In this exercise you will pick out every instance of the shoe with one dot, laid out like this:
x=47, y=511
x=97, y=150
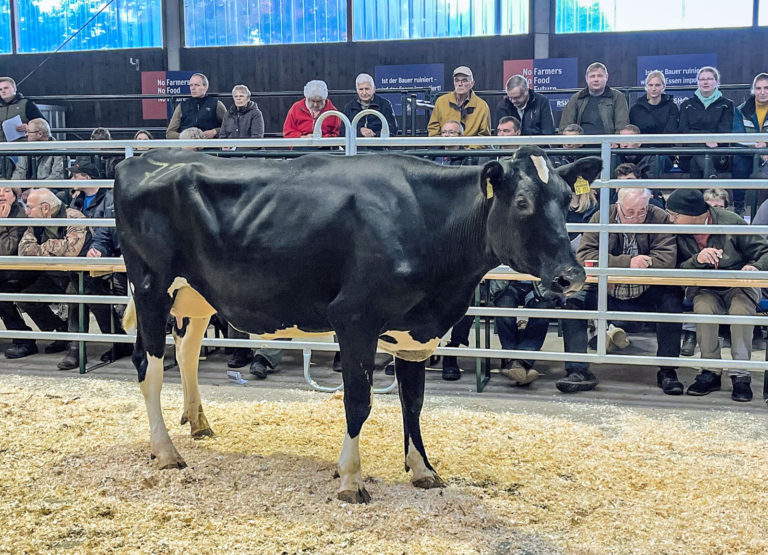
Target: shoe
x=240, y=357
x=668, y=382
x=121, y=350
x=705, y=383
x=259, y=367
x=72, y=359
x=21, y=350
x=451, y=370
x=578, y=380
x=742, y=391
x=617, y=337
x=337, y=362
x=689, y=344
x=518, y=374
x=58, y=346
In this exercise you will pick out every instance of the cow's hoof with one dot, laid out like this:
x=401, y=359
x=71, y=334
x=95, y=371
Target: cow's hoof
x=358, y=496
x=429, y=482
x=204, y=432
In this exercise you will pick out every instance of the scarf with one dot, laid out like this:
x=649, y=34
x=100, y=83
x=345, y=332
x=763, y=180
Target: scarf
x=708, y=100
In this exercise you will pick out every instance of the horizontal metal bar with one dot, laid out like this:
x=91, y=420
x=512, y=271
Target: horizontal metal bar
x=43, y=222
x=567, y=314
x=676, y=229
x=680, y=183
x=74, y=299
x=58, y=183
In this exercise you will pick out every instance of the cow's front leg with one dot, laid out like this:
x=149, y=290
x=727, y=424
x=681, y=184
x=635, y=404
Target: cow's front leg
x=410, y=380
x=188, y=339
x=357, y=359
x=161, y=446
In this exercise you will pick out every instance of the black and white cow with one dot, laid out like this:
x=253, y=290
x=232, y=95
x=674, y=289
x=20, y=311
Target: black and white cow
x=384, y=250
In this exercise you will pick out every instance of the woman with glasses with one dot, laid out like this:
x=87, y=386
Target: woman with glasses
x=706, y=112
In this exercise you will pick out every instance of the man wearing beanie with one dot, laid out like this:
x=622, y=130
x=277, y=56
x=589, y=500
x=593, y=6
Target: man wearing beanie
x=627, y=250
x=718, y=252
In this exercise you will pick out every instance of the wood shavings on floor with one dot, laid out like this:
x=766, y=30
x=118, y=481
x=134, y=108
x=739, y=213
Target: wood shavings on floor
x=75, y=475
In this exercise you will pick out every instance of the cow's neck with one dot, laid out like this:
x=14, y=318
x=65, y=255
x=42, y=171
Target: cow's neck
x=468, y=244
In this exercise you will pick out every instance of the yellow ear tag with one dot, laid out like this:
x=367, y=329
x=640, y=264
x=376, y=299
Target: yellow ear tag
x=581, y=186
x=488, y=188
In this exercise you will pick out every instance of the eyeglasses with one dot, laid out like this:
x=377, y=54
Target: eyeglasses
x=632, y=215
x=707, y=79
x=34, y=132
x=461, y=80
x=450, y=132
x=673, y=216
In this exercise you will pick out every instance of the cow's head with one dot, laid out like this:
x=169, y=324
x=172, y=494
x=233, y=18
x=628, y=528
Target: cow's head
x=526, y=220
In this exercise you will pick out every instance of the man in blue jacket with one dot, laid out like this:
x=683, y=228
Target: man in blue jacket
x=367, y=99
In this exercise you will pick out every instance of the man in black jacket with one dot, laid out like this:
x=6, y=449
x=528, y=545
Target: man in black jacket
x=94, y=202
x=367, y=99
x=201, y=111
x=530, y=108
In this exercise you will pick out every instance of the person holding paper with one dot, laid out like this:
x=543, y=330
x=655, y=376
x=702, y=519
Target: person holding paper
x=13, y=106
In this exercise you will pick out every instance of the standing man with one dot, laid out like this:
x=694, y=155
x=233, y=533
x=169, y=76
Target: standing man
x=463, y=106
x=598, y=109
x=201, y=111
x=367, y=99
x=531, y=109
x=13, y=103
x=718, y=252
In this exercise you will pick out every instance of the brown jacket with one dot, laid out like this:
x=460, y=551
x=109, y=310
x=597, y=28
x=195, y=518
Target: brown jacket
x=56, y=240
x=661, y=247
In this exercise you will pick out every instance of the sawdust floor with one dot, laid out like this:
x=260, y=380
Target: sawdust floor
x=75, y=475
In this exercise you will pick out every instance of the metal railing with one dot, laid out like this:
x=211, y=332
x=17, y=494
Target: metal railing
x=351, y=144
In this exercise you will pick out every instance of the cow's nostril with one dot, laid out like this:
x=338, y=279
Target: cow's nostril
x=562, y=283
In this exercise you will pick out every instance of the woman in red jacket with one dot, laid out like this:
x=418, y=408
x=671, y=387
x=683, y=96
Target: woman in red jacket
x=301, y=118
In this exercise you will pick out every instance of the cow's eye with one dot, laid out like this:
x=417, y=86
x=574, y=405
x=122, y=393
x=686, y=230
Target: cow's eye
x=522, y=204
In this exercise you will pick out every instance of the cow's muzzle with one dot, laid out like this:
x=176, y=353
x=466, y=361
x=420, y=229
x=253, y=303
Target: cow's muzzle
x=568, y=280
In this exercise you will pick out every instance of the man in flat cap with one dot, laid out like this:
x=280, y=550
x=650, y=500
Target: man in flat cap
x=718, y=252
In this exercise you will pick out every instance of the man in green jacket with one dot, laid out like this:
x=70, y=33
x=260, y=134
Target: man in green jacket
x=598, y=109
x=718, y=252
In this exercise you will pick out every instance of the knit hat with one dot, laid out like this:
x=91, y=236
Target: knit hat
x=689, y=202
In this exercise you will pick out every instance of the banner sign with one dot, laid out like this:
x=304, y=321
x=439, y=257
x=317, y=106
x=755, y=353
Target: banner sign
x=163, y=82
x=546, y=74
x=407, y=76
x=678, y=69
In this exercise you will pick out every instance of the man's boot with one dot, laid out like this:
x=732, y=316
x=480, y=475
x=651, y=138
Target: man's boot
x=577, y=380
x=72, y=359
x=689, y=344
x=706, y=382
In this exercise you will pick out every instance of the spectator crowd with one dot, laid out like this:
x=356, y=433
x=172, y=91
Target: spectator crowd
x=597, y=109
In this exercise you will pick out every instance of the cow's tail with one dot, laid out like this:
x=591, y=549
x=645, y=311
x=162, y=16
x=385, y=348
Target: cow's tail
x=129, y=317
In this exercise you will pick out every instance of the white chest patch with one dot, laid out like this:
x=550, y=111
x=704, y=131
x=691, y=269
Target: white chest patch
x=541, y=168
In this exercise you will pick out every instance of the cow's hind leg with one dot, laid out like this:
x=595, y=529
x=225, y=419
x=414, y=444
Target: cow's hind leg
x=410, y=379
x=188, y=339
x=357, y=359
x=151, y=313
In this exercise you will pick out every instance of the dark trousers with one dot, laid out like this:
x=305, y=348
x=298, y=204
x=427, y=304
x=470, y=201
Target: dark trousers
x=105, y=314
x=657, y=298
x=510, y=337
x=40, y=313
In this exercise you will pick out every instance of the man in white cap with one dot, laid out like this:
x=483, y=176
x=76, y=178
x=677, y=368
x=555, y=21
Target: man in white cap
x=463, y=106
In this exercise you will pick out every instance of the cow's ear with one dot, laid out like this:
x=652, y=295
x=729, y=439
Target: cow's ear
x=491, y=178
x=586, y=169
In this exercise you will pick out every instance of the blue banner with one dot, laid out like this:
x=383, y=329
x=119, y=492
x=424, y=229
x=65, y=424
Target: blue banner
x=408, y=76
x=678, y=69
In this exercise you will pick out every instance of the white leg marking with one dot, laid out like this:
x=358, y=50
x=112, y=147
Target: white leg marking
x=160, y=441
x=349, y=465
x=541, y=168
x=188, y=354
x=415, y=462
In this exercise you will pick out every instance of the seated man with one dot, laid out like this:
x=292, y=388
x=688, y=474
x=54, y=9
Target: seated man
x=93, y=202
x=723, y=252
x=647, y=164
x=637, y=250
x=39, y=166
x=45, y=241
x=367, y=99
x=563, y=159
x=11, y=280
